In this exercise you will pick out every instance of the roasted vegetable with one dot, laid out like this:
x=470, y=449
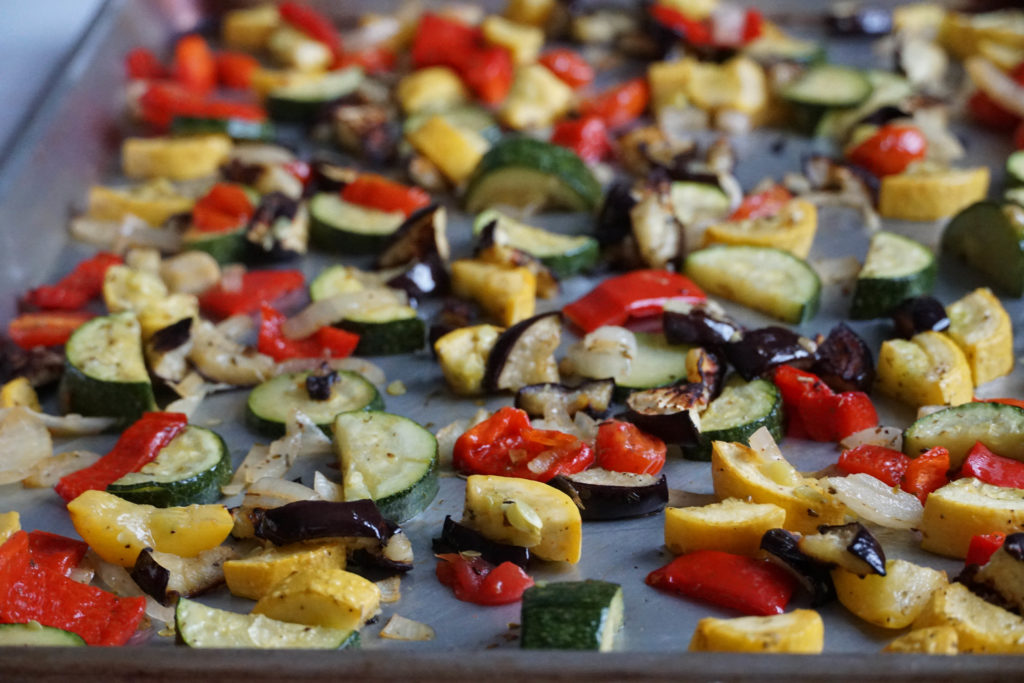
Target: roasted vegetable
x=670, y=413
x=850, y=546
x=602, y=494
x=783, y=548
x=732, y=526
x=592, y=397
x=892, y=600
x=919, y=314
x=167, y=577
x=760, y=350
x=801, y=631
x=929, y=369
x=703, y=323
x=458, y=538
x=843, y=361
x=524, y=354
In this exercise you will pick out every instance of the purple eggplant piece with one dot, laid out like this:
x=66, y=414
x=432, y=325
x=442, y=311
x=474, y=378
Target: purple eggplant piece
x=422, y=279
x=850, y=546
x=40, y=366
x=172, y=336
x=919, y=314
x=152, y=577
x=619, y=496
x=326, y=176
x=854, y=19
x=665, y=411
x=318, y=385
x=515, y=352
x=701, y=325
x=763, y=349
x=421, y=237
x=844, y=361
x=782, y=547
x=306, y=520
x=592, y=397
x=613, y=221
x=457, y=538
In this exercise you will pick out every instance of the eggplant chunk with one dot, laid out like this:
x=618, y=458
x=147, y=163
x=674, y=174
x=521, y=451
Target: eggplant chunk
x=279, y=229
x=855, y=19
x=306, y=520
x=919, y=314
x=422, y=236
x=457, y=538
x=765, y=348
x=613, y=223
x=422, y=278
x=783, y=548
x=592, y=397
x=670, y=413
x=166, y=577
x=850, y=546
x=703, y=323
x=844, y=361
x=524, y=354
x=601, y=494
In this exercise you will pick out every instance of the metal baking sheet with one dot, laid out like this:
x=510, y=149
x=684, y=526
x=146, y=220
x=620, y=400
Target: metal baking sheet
x=72, y=142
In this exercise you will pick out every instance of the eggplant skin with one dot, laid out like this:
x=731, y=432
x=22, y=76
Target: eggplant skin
x=152, y=577
x=592, y=397
x=699, y=326
x=457, y=538
x=782, y=547
x=172, y=336
x=844, y=361
x=665, y=411
x=763, y=349
x=613, y=221
x=496, y=373
x=310, y=519
x=602, y=502
x=919, y=314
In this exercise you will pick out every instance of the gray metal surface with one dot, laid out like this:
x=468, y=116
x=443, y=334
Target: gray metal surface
x=73, y=143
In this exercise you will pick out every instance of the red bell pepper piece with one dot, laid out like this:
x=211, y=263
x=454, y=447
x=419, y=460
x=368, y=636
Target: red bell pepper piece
x=59, y=554
x=488, y=71
x=983, y=546
x=235, y=69
x=762, y=204
x=475, y=580
x=505, y=444
x=885, y=464
x=890, y=150
x=990, y=113
x=372, y=60
x=619, y=105
x=818, y=412
x=587, y=137
x=163, y=101
x=300, y=169
x=638, y=294
x=745, y=584
x=701, y=32
x=194, y=66
x=138, y=445
x=14, y=560
x=313, y=24
x=569, y=66
x=141, y=63
x=45, y=328
x=327, y=341
x=440, y=41
x=622, y=447
x=983, y=464
x=225, y=207
x=927, y=472
x=258, y=287
x=77, y=288
x=377, y=192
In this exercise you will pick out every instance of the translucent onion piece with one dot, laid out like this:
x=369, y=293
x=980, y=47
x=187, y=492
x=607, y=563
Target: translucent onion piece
x=399, y=549
x=304, y=436
x=400, y=628
x=232, y=278
x=48, y=471
x=390, y=589
x=118, y=236
x=119, y=581
x=888, y=437
x=282, y=489
x=236, y=327
x=24, y=442
x=327, y=489
x=223, y=360
x=763, y=442
x=876, y=501
x=257, y=153
x=257, y=463
x=996, y=84
x=834, y=271
x=606, y=352
x=336, y=308
x=371, y=372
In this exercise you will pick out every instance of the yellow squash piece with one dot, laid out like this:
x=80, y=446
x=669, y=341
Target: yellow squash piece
x=928, y=195
x=525, y=513
x=931, y=640
x=521, y=40
x=333, y=598
x=10, y=524
x=667, y=81
x=738, y=84
x=891, y=601
x=435, y=88
x=732, y=526
x=537, y=99
x=530, y=12
x=507, y=294
x=19, y=392
x=929, y=369
x=182, y=158
x=154, y=202
x=253, y=576
x=462, y=354
x=981, y=327
x=455, y=151
x=127, y=289
x=293, y=49
x=798, y=632
x=118, y=530
x=981, y=627
x=249, y=29
x=738, y=471
x=965, y=508
x=167, y=311
x=792, y=230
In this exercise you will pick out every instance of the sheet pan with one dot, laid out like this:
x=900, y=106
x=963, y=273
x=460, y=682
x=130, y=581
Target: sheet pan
x=71, y=142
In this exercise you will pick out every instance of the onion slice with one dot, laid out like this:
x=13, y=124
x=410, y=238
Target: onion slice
x=400, y=628
x=876, y=501
x=119, y=236
x=993, y=82
x=24, y=443
x=888, y=437
x=48, y=471
x=390, y=589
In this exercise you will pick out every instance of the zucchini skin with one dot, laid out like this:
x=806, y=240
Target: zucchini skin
x=404, y=505
x=773, y=420
x=983, y=236
x=88, y=396
x=341, y=238
x=385, y=338
x=273, y=427
x=567, y=615
x=229, y=247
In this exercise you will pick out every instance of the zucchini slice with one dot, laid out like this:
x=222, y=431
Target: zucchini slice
x=1015, y=169
x=226, y=247
x=389, y=459
x=692, y=200
x=234, y=128
x=571, y=615
x=896, y=268
x=564, y=255
x=271, y=404
x=476, y=119
x=35, y=634
x=531, y=173
x=657, y=364
x=829, y=86
x=342, y=226
x=769, y=280
x=740, y=410
x=888, y=89
x=189, y=470
x=105, y=371
x=990, y=237
x=303, y=99
x=999, y=426
x=201, y=626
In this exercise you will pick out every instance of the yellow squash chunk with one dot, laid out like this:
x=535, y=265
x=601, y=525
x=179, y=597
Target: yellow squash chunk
x=738, y=471
x=693, y=9
x=435, y=88
x=981, y=627
x=118, y=530
x=183, y=158
x=154, y=202
x=530, y=12
x=792, y=230
x=507, y=294
x=167, y=311
x=798, y=632
x=980, y=326
x=333, y=598
x=462, y=354
x=890, y=601
x=965, y=508
x=732, y=526
x=522, y=41
x=738, y=84
x=537, y=98
x=456, y=151
x=525, y=513
x=10, y=524
x=667, y=81
x=295, y=50
x=931, y=195
x=19, y=392
x=249, y=29
x=929, y=369
x=253, y=576
x=931, y=640
x=127, y=289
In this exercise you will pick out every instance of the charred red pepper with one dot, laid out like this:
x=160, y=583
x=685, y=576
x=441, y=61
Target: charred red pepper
x=885, y=464
x=983, y=546
x=327, y=341
x=890, y=150
x=762, y=204
x=138, y=445
x=225, y=207
x=258, y=287
x=927, y=472
x=46, y=328
x=77, y=288
x=56, y=553
x=745, y=584
x=313, y=24
x=702, y=32
x=163, y=101
x=475, y=580
x=637, y=294
x=623, y=447
x=31, y=591
x=194, y=66
x=587, y=137
x=235, y=69
x=569, y=66
x=506, y=445
x=983, y=464
x=620, y=104
x=377, y=192
x=816, y=411
x=141, y=63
